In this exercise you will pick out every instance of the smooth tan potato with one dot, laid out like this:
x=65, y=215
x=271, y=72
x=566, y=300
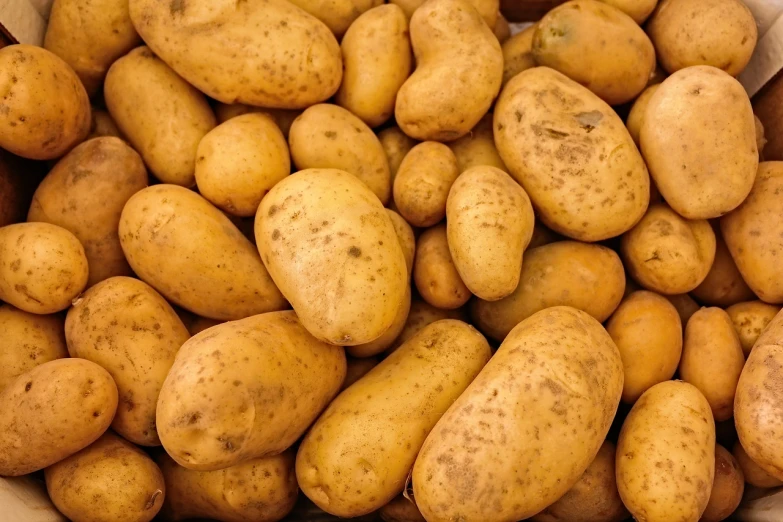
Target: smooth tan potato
x=434, y=273
x=357, y=368
x=684, y=304
x=383, y=342
x=284, y=118
x=501, y=29
x=666, y=454
x=586, y=277
x=102, y=124
x=338, y=15
x=723, y=285
x=46, y=111
x=750, y=319
x=401, y=509
x=42, y=267
x=518, y=53
x=713, y=172
x=639, y=10
x=478, y=147
x=405, y=236
x=572, y=154
x=424, y=178
x=753, y=474
x=488, y=9
x=110, y=480
x=163, y=116
x=51, y=412
x=489, y=224
x=636, y=116
x=396, y=144
x=556, y=370
x=727, y=488
x=422, y=314
x=459, y=69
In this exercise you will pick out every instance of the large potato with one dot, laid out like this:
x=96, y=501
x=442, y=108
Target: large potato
x=698, y=138
x=750, y=319
x=753, y=474
x=638, y=110
x=554, y=383
x=477, y=147
x=422, y=184
x=358, y=454
x=488, y=9
x=639, y=10
x=396, y=144
x=459, y=69
x=572, y=154
x=518, y=53
x=42, y=267
x=434, y=273
x=338, y=15
x=53, y=411
x=727, y=488
x=420, y=315
x=587, y=277
x=332, y=250
x=235, y=391
x=666, y=454
x=191, y=253
x=723, y=285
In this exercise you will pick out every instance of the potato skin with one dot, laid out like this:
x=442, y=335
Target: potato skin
x=102, y=124
x=478, y=147
x=753, y=474
x=528, y=398
x=420, y=315
x=434, y=273
x=110, y=480
x=750, y=319
x=727, y=489
x=396, y=144
x=405, y=236
x=639, y=10
x=639, y=108
x=46, y=109
x=572, y=154
x=53, y=411
x=338, y=15
x=357, y=368
x=488, y=9
x=518, y=53
x=387, y=338
x=684, y=304
x=723, y=285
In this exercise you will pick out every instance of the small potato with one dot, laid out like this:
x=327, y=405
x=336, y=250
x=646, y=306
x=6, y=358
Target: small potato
x=666, y=454
x=753, y=474
x=401, y=509
x=489, y=224
x=46, y=111
x=283, y=118
x=639, y=10
x=110, y=480
x=338, y=15
x=518, y=53
x=501, y=29
x=396, y=144
x=42, y=267
x=667, y=253
x=357, y=368
x=420, y=315
x=383, y=342
x=478, y=147
x=750, y=319
x=423, y=181
x=583, y=276
x=330, y=137
x=377, y=59
x=239, y=161
x=636, y=116
x=727, y=489
x=684, y=304
x=53, y=411
x=102, y=124
x=723, y=285
x=405, y=236
x=434, y=273
x=648, y=332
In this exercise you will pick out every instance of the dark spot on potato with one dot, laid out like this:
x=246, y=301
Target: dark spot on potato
x=177, y=7
x=273, y=210
x=354, y=251
x=96, y=414
x=28, y=386
x=275, y=234
x=331, y=135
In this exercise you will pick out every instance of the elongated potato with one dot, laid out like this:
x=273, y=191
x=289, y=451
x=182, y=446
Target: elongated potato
x=396, y=144
x=478, y=147
x=387, y=338
x=422, y=314
x=638, y=110
x=518, y=53
x=754, y=475
x=405, y=236
x=750, y=319
x=727, y=488
x=723, y=285
x=422, y=184
x=434, y=273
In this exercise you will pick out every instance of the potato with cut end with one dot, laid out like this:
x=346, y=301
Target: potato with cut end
x=396, y=144
x=753, y=474
x=638, y=109
x=434, y=273
x=723, y=285
x=750, y=319
x=406, y=237
x=518, y=53
x=727, y=488
x=478, y=147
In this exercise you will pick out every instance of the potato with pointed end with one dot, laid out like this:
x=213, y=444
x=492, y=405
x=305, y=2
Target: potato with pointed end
x=750, y=319
x=434, y=273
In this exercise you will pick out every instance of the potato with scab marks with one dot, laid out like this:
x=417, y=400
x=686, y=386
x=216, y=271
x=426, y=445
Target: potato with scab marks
x=401, y=509
x=750, y=319
x=434, y=273
x=422, y=314
x=405, y=236
x=754, y=475
x=518, y=53
x=727, y=488
x=638, y=109
x=383, y=342
x=478, y=147
x=639, y=10
x=723, y=285
x=396, y=144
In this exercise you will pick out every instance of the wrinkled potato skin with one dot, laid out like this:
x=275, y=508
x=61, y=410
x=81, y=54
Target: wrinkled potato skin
x=579, y=182
x=400, y=509
x=753, y=474
x=396, y=144
x=727, y=489
x=421, y=187
x=357, y=368
x=110, y=480
x=488, y=9
x=56, y=409
x=723, y=285
x=434, y=273
x=518, y=53
x=636, y=116
x=338, y=15
x=750, y=319
x=387, y=338
x=102, y=124
x=406, y=238
x=420, y=315
x=684, y=304
x=639, y=10
x=478, y=147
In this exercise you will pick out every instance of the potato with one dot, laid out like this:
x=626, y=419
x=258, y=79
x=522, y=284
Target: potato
x=383, y=342
x=405, y=236
x=29, y=340
x=459, y=69
x=754, y=234
x=587, y=277
x=684, y=304
x=255, y=405
x=761, y=140
x=501, y=29
x=478, y=147
x=554, y=383
x=434, y=273
x=283, y=118
x=42, y=267
x=593, y=498
x=192, y=254
x=753, y=474
x=346, y=469
x=396, y=144
x=199, y=324
x=110, y=480
x=401, y=509
x=423, y=181
x=90, y=36
x=46, y=111
x=712, y=173
x=102, y=124
x=488, y=9
x=96, y=179
x=377, y=60
x=666, y=454
x=338, y=15
x=215, y=47
x=667, y=253
x=261, y=490
x=636, y=9
x=648, y=332
x=719, y=33
x=328, y=136
x=489, y=224
x=636, y=116
x=598, y=46
x=543, y=236
x=723, y=285
x=420, y=315
x=572, y=154
x=750, y=319
x=518, y=53
x=332, y=250
x=51, y=412
x=357, y=368
x=727, y=488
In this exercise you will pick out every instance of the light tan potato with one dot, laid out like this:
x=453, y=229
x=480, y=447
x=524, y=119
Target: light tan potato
x=459, y=69
x=422, y=314
x=401, y=509
x=667, y=253
x=518, y=53
x=501, y=29
x=684, y=304
x=46, y=111
x=727, y=489
x=42, y=267
x=636, y=116
x=330, y=137
x=720, y=33
x=377, y=59
x=338, y=15
x=753, y=474
x=96, y=179
x=110, y=480
x=434, y=273
x=489, y=224
x=357, y=368
x=255, y=405
x=639, y=10
x=569, y=273
x=714, y=172
x=761, y=140
x=723, y=285
x=341, y=265
x=283, y=118
x=192, y=254
x=488, y=9
x=396, y=144
x=383, y=342
x=572, y=154
x=666, y=454
x=261, y=490
x=750, y=319
x=405, y=236
x=163, y=117
x=102, y=124
x=51, y=412
x=478, y=147
x=648, y=332
x=423, y=181
x=556, y=370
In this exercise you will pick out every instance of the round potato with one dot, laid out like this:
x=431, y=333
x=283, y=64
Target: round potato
x=434, y=273
x=639, y=10
x=684, y=304
x=478, y=147
x=387, y=338
x=727, y=488
x=405, y=236
x=420, y=315
x=723, y=285
x=750, y=319
x=636, y=116
x=753, y=474
x=518, y=53
x=396, y=144
x=357, y=368
x=338, y=15
x=401, y=509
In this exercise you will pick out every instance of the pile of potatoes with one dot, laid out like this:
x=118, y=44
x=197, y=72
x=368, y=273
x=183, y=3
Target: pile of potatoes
x=391, y=256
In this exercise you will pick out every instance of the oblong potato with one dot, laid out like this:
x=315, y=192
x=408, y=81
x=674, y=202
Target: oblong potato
x=754, y=475
x=518, y=53
x=727, y=488
x=434, y=274
x=723, y=285
x=478, y=147
x=639, y=10
x=405, y=236
x=338, y=15
x=638, y=110
x=387, y=338
x=396, y=144
x=554, y=383
x=750, y=319
x=572, y=154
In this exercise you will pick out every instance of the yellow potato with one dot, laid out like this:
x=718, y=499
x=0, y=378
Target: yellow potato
x=518, y=53
x=434, y=273
x=383, y=342
x=723, y=285
x=338, y=15
x=543, y=236
x=478, y=147
x=636, y=116
x=284, y=118
x=727, y=489
x=501, y=29
x=396, y=144
x=488, y=9
x=420, y=315
x=639, y=10
x=753, y=474
x=401, y=509
x=102, y=124
x=750, y=319
x=357, y=368
x=684, y=304
x=423, y=181
x=199, y=324
x=405, y=236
